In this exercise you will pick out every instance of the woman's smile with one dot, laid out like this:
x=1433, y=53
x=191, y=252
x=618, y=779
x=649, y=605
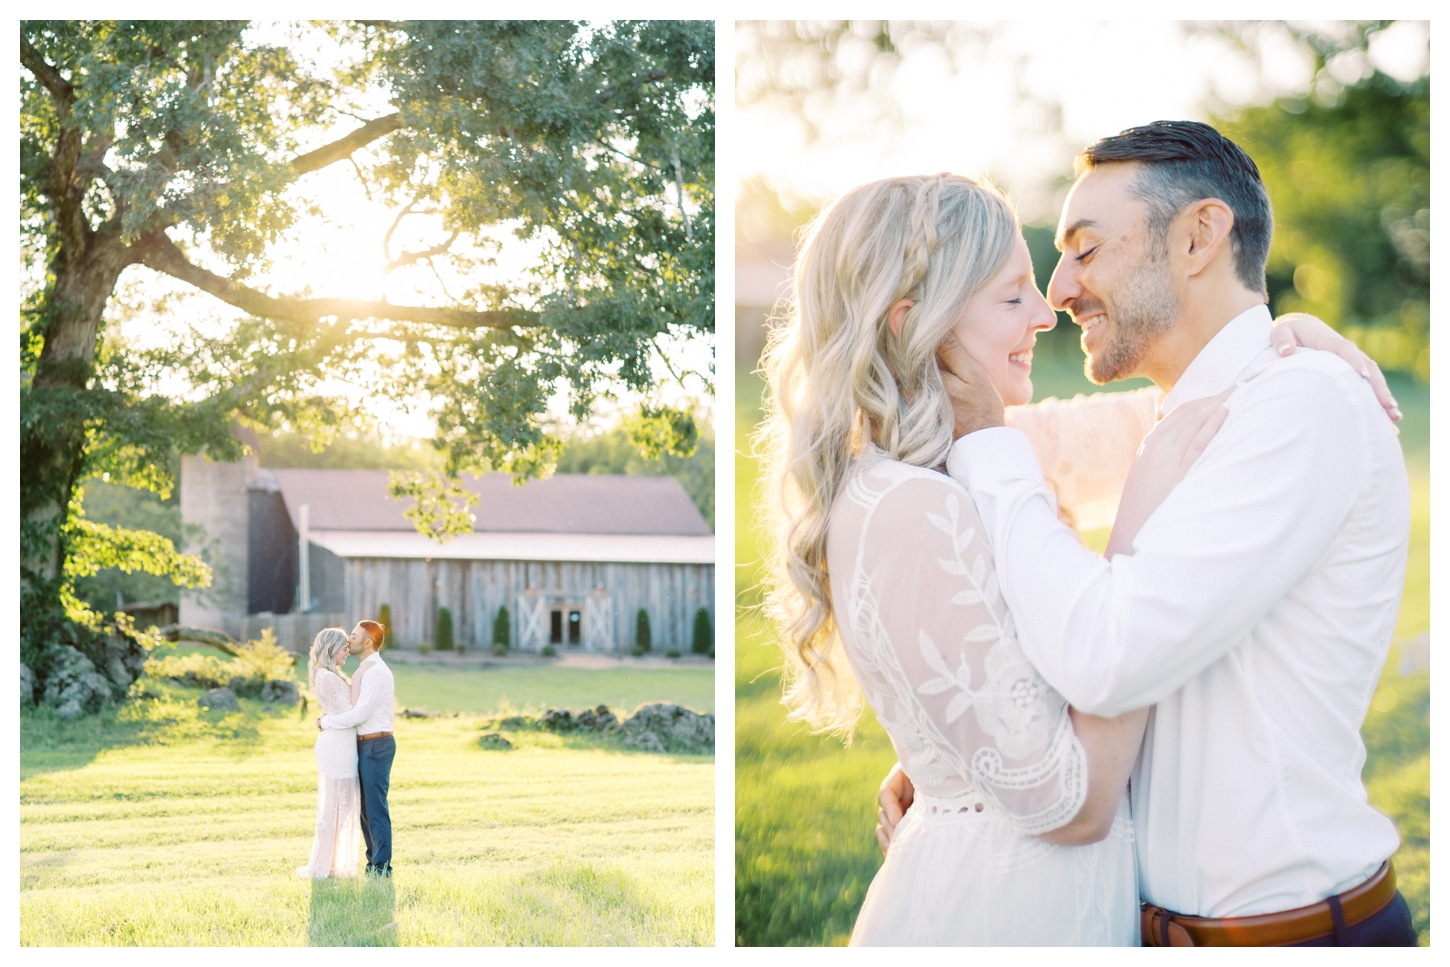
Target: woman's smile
x=1000, y=323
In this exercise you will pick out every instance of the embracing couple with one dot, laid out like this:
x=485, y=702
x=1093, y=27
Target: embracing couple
x=354, y=752
x=1158, y=745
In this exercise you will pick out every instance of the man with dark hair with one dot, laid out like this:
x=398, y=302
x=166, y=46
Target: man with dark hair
x=1182, y=162
x=1166, y=167
x=1256, y=606
x=372, y=715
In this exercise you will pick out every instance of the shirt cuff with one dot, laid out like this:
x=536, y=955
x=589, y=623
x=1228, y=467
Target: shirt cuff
x=993, y=456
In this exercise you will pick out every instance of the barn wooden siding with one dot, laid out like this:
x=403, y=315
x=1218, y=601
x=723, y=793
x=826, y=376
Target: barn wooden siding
x=414, y=590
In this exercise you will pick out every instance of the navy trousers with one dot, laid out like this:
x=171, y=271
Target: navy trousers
x=374, y=767
x=1391, y=927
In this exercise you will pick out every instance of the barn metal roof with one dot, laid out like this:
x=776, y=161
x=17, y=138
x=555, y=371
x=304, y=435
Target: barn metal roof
x=495, y=546
x=566, y=503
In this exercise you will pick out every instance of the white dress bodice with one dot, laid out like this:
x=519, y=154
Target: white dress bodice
x=336, y=748
x=987, y=742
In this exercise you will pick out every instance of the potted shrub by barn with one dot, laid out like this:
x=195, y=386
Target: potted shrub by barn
x=641, y=633
x=702, y=641
x=443, y=635
x=501, y=631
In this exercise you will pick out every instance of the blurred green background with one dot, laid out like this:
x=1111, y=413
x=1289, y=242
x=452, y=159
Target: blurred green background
x=1346, y=162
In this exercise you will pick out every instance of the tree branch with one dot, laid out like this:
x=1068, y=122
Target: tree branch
x=60, y=186
x=604, y=96
x=341, y=148
x=95, y=152
x=219, y=640
x=160, y=253
x=361, y=180
x=441, y=284
x=680, y=191
x=410, y=258
x=388, y=235
x=625, y=155
x=60, y=88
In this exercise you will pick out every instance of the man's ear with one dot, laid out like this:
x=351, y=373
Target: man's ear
x=896, y=315
x=1209, y=222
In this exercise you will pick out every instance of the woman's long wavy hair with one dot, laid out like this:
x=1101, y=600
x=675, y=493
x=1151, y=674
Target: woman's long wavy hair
x=325, y=648
x=838, y=378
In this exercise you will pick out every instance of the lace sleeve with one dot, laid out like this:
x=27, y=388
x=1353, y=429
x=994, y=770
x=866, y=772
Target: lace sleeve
x=332, y=693
x=1085, y=446
x=936, y=652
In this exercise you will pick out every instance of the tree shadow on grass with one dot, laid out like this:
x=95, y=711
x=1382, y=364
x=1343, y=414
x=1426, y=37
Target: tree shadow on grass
x=169, y=716
x=355, y=912
x=48, y=744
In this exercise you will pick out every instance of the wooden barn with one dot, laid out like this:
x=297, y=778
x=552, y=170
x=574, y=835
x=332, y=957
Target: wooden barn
x=572, y=559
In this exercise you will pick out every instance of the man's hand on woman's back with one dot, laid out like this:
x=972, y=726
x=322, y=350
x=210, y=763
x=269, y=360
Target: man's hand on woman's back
x=894, y=798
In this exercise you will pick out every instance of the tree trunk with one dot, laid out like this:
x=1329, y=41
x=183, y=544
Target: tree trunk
x=53, y=434
x=84, y=282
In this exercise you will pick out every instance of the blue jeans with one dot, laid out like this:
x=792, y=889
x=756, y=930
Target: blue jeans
x=1391, y=927
x=374, y=767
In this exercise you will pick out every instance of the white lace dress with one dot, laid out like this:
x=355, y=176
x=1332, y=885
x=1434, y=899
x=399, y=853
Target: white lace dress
x=986, y=741
x=339, y=831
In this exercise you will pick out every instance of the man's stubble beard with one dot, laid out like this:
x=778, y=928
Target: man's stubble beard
x=1146, y=309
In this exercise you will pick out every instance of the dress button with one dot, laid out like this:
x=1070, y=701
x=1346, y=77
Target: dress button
x=979, y=807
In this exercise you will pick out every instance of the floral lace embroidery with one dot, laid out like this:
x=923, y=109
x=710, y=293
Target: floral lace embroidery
x=1017, y=750
x=332, y=693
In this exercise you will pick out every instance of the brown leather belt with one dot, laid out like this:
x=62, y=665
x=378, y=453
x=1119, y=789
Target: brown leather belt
x=372, y=735
x=1163, y=928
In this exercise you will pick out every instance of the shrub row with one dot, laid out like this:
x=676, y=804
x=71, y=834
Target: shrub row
x=702, y=639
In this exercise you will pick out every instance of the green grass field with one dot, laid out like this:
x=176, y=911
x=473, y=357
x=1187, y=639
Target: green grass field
x=438, y=689
x=805, y=806
x=158, y=824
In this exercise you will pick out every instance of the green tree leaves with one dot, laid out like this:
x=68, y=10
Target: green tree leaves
x=1348, y=169
x=91, y=546
x=657, y=430
x=440, y=505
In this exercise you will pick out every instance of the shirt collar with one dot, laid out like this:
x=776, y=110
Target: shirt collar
x=375, y=656
x=1218, y=364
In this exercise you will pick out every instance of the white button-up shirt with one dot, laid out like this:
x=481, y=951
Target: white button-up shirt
x=373, y=710
x=1255, y=612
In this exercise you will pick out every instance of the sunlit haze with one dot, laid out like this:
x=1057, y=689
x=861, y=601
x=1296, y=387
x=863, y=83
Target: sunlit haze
x=340, y=253
x=996, y=112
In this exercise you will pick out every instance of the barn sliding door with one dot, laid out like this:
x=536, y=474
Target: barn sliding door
x=599, y=623
x=533, y=622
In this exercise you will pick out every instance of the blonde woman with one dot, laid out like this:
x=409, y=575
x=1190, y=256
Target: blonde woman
x=884, y=586
x=335, y=844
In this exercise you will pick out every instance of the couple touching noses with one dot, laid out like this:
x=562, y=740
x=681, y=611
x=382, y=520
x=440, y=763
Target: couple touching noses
x=1221, y=655
x=354, y=752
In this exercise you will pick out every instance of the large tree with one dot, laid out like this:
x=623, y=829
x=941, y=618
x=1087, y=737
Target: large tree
x=180, y=152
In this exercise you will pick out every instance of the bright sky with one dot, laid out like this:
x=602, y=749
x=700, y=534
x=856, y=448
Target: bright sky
x=1106, y=76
